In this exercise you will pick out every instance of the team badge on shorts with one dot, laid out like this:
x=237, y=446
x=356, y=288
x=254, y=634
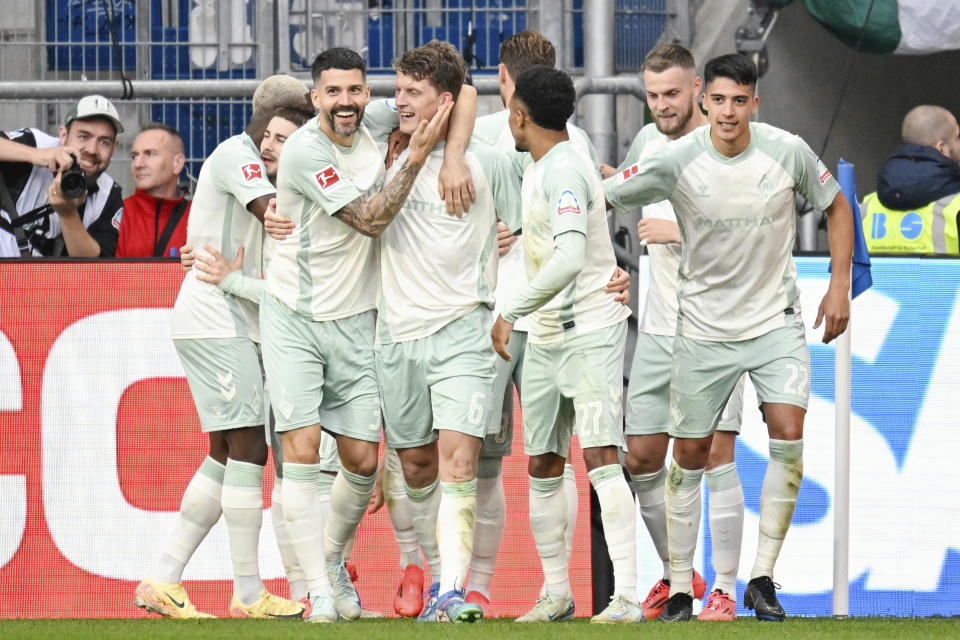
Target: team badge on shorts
x=567, y=203
x=252, y=171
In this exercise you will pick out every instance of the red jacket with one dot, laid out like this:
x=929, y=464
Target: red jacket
x=142, y=223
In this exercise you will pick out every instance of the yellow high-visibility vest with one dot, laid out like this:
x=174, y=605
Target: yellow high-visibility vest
x=927, y=230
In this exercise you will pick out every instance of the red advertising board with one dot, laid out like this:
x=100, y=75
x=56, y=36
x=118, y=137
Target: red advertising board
x=99, y=438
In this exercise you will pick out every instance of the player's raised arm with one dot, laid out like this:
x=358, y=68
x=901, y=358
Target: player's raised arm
x=371, y=218
x=652, y=180
x=456, y=182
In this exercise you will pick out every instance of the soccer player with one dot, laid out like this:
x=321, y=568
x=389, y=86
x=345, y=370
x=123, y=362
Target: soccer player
x=408, y=601
x=229, y=276
x=216, y=336
x=573, y=370
x=672, y=86
x=434, y=361
x=517, y=53
x=317, y=313
x=732, y=188
x=218, y=270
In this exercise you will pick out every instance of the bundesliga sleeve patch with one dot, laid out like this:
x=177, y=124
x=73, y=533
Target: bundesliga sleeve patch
x=327, y=178
x=252, y=171
x=567, y=203
x=822, y=172
x=629, y=172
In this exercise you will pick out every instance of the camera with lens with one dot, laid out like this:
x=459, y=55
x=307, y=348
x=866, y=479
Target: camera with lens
x=73, y=181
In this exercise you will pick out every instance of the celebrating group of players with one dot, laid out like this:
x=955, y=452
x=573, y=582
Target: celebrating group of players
x=367, y=310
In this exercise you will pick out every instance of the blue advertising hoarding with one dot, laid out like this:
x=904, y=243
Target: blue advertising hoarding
x=904, y=524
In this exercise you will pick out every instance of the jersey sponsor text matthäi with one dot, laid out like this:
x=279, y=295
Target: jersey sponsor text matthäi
x=736, y=215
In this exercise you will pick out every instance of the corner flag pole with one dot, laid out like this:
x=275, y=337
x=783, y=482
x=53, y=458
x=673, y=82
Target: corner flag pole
x=860, y=280
x=841, y=478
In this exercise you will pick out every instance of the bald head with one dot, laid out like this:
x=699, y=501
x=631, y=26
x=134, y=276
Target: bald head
x=933, y=126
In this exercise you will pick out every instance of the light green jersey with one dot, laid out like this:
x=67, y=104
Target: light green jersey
x=737, y=275
x=660, y=308
x=230, y=178
x=494, y=130
x=562, y=192
x=325, y=269
x=435, y=267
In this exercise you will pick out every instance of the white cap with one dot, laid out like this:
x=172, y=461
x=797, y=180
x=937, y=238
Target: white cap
x=94, y=107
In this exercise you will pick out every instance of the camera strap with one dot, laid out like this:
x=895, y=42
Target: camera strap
x=8, y=205
x=169, y=228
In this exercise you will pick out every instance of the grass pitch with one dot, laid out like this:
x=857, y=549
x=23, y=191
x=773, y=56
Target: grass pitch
x=499, y=629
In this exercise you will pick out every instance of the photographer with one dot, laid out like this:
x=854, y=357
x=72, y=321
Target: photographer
x=32, y=167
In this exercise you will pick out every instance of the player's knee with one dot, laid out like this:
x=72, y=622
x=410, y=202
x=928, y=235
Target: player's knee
x=722, y=450
x=596, y=457
x=300, y=454
x=252, y=453
x=546, y=466
x=361, y=464
x=219, y=450
x=639, y=463
x=247, y=445
x=358, y=456
x=691, y=453
x=418, y=471
x=301, y=446
x=784, y=421
x=460, y=467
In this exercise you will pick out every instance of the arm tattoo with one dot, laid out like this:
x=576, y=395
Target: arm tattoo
x=371, y=218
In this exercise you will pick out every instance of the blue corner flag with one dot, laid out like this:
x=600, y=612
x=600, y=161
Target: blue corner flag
x=861, y=279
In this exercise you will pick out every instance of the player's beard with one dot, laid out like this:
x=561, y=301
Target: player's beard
x=682, y=119
x=272, y=177
x=94, y=175
x=344, y=131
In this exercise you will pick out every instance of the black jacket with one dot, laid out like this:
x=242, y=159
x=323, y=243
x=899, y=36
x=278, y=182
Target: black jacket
x=914, y=176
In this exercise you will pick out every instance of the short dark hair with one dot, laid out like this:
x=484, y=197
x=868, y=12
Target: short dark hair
x=337, y=58
x=526, y=49
x=548, y=94
x=298, y=117
x=438, y=62
x=735, y=66
x=667, y=56
x=163, y=126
